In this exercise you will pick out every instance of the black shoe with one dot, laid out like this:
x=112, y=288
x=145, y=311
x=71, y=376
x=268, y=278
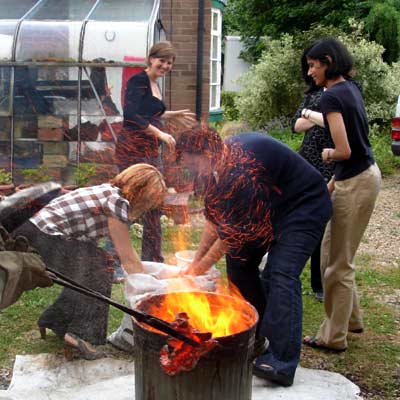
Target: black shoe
x=319, y=296
x=266, y=371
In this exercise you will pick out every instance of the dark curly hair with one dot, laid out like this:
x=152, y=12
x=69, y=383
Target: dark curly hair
x=201, y=139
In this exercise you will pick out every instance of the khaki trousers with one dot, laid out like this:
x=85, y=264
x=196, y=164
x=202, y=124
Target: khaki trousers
x=353, y=202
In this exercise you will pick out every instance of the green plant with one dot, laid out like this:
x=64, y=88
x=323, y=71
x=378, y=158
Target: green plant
x=380, y=140
x=273, y=88
x=231, y=113
x=383, y=26
x=83, y=173
x=5, y=177
x=36, y=175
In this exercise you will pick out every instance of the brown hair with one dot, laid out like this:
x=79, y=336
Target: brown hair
x=162, y=49
x=141, y=183
x=201, y=139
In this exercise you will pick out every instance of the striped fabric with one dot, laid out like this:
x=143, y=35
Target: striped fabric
x=82, y=214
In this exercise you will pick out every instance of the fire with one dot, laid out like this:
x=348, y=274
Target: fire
x=220, y=315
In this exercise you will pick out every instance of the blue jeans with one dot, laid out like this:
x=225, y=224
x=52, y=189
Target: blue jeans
x=276, y=293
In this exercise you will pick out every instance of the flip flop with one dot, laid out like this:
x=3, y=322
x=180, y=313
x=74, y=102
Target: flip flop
x=315, y=343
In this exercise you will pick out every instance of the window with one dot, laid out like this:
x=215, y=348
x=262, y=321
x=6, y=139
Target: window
x=215, y=60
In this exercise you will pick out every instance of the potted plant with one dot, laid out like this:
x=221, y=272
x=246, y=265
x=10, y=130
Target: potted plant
x=6, y=185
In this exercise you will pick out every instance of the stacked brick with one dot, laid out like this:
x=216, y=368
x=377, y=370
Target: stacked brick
x=51, y=130
x=180, y=19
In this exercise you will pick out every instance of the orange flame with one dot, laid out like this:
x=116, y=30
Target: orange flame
x=208, y=312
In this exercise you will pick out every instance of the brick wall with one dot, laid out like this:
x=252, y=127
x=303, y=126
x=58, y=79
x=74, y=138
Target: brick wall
x=179, y=18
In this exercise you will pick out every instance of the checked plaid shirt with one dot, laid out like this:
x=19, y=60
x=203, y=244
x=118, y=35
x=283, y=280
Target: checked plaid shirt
x=82, y=214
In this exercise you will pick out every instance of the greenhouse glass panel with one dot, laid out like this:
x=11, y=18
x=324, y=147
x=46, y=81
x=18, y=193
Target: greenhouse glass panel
x=73, y=10
x=115, y=41
x=103, y=96
x=11, y=9
x=46, y=91
x=123, y=10
x=7, y=32
x=5, y=128
x=5, y=79
x=5, y=143
x=49, y=41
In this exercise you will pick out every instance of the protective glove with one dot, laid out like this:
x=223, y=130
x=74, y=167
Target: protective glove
x=21, y=268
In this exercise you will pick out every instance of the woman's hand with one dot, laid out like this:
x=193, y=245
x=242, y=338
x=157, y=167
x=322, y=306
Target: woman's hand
x=183, y=117
x=168, y=140
x=331, y=185
x=194, y=268
x=327, y=155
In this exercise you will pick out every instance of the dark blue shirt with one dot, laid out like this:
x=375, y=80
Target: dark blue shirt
x=346, y=98
x=265, y=183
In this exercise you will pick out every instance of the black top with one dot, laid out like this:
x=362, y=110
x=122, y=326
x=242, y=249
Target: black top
x=316, y=138
x=265, y=187
x=346, y=98
x=141, y=109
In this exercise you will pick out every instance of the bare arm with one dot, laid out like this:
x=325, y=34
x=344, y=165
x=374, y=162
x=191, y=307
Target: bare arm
x=214, y=253
x=119, y=232
x=314, y=117
x=337, y=128
x=208, y=237
x=210, y=250
x=164, y=137
x=303, y=125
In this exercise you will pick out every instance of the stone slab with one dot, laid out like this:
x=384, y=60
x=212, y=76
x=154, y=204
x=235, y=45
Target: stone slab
x=51, y=377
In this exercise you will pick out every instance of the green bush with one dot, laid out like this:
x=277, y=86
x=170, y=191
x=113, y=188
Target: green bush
x=231, y=113
x=381, y=140
x=5, y=177
x=83, y=173
x=273, y=88
x=383, y=26
x=36, y=175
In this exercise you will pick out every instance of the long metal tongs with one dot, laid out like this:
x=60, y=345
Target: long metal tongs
x=140, y=316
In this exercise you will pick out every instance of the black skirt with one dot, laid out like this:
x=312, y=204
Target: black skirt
x=86, y=264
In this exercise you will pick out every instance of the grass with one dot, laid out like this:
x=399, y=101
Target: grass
x=371, y=361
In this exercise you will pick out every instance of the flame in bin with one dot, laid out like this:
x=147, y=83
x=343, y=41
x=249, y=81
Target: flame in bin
x=220, y=315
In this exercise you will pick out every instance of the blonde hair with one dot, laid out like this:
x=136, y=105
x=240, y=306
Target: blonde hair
x=141, y=184
x=162, y=49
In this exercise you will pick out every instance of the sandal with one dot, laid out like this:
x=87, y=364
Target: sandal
x=86, y=350
x=315, y=343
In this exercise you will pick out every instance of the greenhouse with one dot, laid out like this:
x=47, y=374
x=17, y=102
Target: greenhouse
x=64, y=67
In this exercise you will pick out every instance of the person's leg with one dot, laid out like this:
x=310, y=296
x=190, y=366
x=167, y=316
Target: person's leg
x=353, y=203
x=151, y=240
x=243, y=272
x=152, y=232
x=315, y=261
x=282, y=319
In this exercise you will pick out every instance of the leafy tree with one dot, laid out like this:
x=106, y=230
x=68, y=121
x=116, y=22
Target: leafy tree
x=255, y=19
x=383, y=26
x=273, y=87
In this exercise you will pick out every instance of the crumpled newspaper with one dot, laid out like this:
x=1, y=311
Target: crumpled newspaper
x=157, y=278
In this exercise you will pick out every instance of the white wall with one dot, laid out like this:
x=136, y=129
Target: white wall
x=233, y=65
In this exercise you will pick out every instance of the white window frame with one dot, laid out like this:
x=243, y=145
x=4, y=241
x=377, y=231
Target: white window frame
x=216, y=32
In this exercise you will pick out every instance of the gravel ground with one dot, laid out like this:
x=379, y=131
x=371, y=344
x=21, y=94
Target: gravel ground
x=381, y=239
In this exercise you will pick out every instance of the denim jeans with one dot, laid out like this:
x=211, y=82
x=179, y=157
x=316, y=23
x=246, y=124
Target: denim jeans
x=276, y=293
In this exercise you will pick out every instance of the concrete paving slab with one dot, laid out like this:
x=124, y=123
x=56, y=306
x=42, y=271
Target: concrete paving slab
x=51, y=377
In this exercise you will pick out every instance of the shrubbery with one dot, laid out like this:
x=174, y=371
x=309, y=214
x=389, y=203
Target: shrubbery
x=273, y=87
